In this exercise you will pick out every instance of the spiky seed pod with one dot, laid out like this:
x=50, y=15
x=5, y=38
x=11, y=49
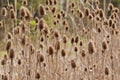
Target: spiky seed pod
x=81, y=15
x=85, y=1
x=47, y=2
x=66, y=28
x=42, y=39
x=51, y=50
x=64, y=39
x=36, y=19
x=3, y=62
x=81, y=43
x=41, y=10
x=55, y=22
x=104, y=45
x=37, y=76
x=1, y=24
x=64, y=22
x=91, y=47
x=53, y=10
x=63, y=53
x=46, y=30
x=59, y=16
x=23, y=40
x=23, y=12
x=40, y=58
x=11, y=6
x=114, y=26
x=9, y=36
x=58, y=45
x=72, y=5
x=101, y=13
x=76, y=39
x=50, y=2
x=110, y=6
x=24, y=2
x=56, y=34
x=55, y=2
x=12, y=14
x=41, y=46
x=73, y=64
x=75, y=49
x=11, y=53
x=28, y=15
x=99, y=30
x=41, y=24
x=19, y=61
x=72, y=40
x=116, y=10
x=83, y=53
x=90, y=17
x=4, y=12
x=110, y=22
x=105, y=23
x=85, y=69
x=32, y=49
x=17, y=30
x=9, y=45
x=87, y=12
x=106, y=71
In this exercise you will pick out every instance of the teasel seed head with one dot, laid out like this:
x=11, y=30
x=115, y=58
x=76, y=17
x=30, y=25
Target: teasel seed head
x=37, y=75
x=53, y=10
x=55, y=2
x=110, y=23
x=106, y=71
x=72, y=40
x=110, y=6
x=41, y=24
x=9, y=45
x=23, y=12
x=32, y=49
x=4, y=12
x=63, y=53
x=36, y=20
x=12, y=14
x=19, y=61
x=116, y=10
x=90, y=17
x=47, y=2
x=64, y=39
x=9, y=36
x=83, y=53
x=91, y=47
x=24, y=2
x=5, y=77
x=73, y=64
x=56, y=34
x=51, y=50
x=28, y=15
x=87, y=12
x=76, y=39
x=11, y=53
x=58, y=45
x=41, y=11
x=3, y=62
x=40, y=58
x=101, y=13
x=51, y=2
x=104, y=45
x=11, y=6
x=81, y=43
x=75, y=49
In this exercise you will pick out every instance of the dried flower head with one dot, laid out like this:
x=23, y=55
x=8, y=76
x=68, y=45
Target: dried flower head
x=1, y=24
x=83, y=53
x=56, y=34
x=41, y=10
x=58, y=45
x=37, y=75
x=22, y=12
x=4, y=12
x=106, y=71
x=51, y=50
x=41, y=24
x=12, y=14
x=110, y=6
x=24, y=2
x=9, y=45
x=11, y=53
x=87, y=12
x=72, y=40
x=73, y=64
x=11, y=6
x=104, y=45
x=91, y=47
x=19, y=61
x=63, y=53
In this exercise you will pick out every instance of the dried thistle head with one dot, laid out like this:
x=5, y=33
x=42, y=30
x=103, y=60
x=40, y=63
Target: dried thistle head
x=83, y=53
x=9, y=45
x=11, y=53
x=4, y=12
x=28, y=15
x=58, y=45
x=56, y=34
x=36, y=20
x=76, y=39
x=41, y=24
x=106, y=71
x=12, y=14
x=53, y=10
x=40, y=57
x=3, y=62
x=41, y=10
x=91, y=47
x=63, y=52
x=81, y=43
x=31, y=49
x=37, y=75
x=23, y=12
x=73, y=64
x=116, y=10
x=72, y=40
x=75, y=49
x=64, y=39
x=51, y=50
x=24, y=2
x=110, y=6
x=104, y=45
x=11, y=6
x=19, y=61
x=101, y=13
x=87, y=12
x=9, y=36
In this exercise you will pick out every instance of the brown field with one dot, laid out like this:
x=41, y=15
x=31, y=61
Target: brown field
x=75, y=41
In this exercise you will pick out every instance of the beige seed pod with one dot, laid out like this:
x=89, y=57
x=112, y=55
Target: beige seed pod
x=4, y=12
x=12, y=14
x=73, y=64
x=41, y=11
x=91, y=47
x=1, y=24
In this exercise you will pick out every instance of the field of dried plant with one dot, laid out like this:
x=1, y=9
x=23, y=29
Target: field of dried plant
x=78, y=42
